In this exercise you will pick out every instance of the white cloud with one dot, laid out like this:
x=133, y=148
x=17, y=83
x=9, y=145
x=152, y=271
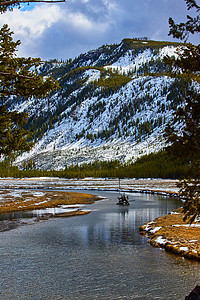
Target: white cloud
x=68, y=29
x=51, y=25
x=32, y=23
x=111, y=5
x=79, y=21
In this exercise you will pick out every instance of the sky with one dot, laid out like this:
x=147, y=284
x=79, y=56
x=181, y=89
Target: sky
x=66, y=30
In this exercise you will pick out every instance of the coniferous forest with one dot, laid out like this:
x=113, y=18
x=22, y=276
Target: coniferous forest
x=159, y=165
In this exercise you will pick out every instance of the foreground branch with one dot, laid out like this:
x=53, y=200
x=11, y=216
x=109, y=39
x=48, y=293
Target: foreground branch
x=15, y=75
x=9, y=3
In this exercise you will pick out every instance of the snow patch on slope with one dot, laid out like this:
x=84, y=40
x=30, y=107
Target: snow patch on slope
x=142, y=101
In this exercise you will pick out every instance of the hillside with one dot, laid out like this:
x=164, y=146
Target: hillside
x=114, y=103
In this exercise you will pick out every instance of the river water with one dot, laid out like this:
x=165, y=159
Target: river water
x=97, y=256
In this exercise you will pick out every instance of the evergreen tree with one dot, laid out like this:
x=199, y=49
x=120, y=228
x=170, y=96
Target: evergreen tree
x=18, y=77
x=13, y=138
x=187, y=142
x=182, y=30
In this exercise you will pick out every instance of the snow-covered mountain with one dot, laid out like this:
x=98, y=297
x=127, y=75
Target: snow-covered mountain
x=114, y=103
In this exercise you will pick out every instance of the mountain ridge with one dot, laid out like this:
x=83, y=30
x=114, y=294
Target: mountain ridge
x=114, y=103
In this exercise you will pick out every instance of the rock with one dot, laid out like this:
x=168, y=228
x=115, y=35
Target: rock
x=195, y=294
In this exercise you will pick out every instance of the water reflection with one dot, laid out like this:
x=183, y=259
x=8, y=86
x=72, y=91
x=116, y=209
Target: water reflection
x=97, y=256
x=36, y=213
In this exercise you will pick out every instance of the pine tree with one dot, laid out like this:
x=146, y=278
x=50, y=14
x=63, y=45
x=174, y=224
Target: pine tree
x=18, y=77
x=187, y=143
x=183, y=30
x=13, y=138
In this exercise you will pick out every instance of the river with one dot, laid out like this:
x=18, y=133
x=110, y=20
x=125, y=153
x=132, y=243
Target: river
x=97, y=256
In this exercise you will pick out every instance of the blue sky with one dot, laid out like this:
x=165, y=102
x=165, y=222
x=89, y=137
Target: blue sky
x=28, y=6
x=67, y=29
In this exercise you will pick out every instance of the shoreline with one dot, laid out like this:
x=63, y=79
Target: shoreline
x=28, y=200
x=6, y=225
x=168, y=232
x=143, y=185
x=174, y=235
x=68, y=205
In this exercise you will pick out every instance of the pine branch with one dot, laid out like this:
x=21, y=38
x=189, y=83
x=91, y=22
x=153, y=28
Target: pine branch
x=15, y=75
x=13, y=2
x=191, y=4
x=9, y=93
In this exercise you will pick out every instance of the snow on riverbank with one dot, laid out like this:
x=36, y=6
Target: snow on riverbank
x=162, y=186
x=174, y=235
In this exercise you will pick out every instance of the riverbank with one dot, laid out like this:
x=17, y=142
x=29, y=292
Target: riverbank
x=174, y=235
x=21, y=200
x=166, y=187
x=29, y=194
x=13, y=202
x=168, y=232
